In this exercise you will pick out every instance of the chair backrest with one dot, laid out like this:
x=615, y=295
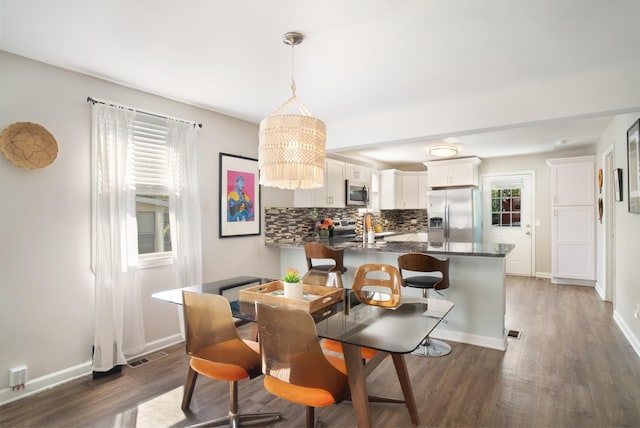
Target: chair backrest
x=370, y=278
x=208, y=321
x=315, y=250
x=290, y=349
x=418, y=262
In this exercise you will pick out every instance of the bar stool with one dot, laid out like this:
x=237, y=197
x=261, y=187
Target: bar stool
x=315, y=250
x=418, y=262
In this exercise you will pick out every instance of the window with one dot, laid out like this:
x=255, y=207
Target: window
x=505, y=207
x=152, y=185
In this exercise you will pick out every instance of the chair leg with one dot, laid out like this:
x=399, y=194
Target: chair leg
x=234, y=418
x=436, y=348
x=189, y=386
x=311, y=423
x=432, y=347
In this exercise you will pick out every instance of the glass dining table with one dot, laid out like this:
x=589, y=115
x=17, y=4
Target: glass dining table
x=393, y=331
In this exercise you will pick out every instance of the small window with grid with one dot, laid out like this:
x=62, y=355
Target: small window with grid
x=505, y=207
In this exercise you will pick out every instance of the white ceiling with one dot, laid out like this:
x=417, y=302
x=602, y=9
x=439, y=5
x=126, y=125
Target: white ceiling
x=387, y=76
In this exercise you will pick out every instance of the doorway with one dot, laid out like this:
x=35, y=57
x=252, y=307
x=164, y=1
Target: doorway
x=507, y=212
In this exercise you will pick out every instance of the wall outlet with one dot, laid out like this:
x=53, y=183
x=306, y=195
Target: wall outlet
x=636, y=314
x=18, y=376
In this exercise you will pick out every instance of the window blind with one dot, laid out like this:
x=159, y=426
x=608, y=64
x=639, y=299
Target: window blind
x=150, y=154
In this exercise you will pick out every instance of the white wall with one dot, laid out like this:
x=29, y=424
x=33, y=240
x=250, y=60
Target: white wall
x=627, y=233
x=46, y=286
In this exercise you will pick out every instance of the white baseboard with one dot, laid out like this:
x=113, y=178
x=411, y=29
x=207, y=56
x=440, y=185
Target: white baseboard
x=572, y=281
x=43, y=383
x=600, y=291
x=543, y=275
x=633, y=340
x=470, y=339
x=158, y=345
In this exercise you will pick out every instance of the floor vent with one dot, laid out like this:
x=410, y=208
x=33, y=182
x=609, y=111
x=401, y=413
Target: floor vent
x=147, y=359
x=514, y=334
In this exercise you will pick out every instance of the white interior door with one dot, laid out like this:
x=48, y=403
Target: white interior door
x=507, y=208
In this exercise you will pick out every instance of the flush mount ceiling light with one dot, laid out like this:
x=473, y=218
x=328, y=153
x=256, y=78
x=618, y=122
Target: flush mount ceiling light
x=443, y=150
x=292, y=146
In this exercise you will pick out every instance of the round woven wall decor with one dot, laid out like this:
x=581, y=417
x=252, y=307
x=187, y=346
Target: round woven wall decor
x=28, y=145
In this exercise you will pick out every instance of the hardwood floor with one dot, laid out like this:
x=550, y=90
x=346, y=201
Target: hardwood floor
x=571, y=367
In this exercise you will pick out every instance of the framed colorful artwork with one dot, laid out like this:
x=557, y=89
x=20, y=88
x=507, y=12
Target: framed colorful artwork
x=633, y=167
x=239, y=196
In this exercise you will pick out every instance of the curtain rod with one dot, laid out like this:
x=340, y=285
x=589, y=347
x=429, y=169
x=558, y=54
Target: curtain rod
x=94, y=101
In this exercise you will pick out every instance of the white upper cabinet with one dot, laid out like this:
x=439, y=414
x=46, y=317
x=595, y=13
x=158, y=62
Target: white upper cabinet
x=573, y=181
x=453, y=172
x=357, y=173
x=331, y=195
x=335, y=196
x=403, y=189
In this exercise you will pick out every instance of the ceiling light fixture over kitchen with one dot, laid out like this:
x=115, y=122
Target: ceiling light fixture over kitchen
x=443, y=150
x=292, y=147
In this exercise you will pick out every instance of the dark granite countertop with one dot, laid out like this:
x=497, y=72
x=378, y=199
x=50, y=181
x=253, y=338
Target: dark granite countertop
x=443, y=248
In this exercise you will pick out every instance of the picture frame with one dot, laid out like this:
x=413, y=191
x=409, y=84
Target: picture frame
x=617, y=184
x=633, y=167
x=240, y=204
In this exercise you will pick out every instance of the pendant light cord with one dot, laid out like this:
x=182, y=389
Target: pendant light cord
x=293, y=82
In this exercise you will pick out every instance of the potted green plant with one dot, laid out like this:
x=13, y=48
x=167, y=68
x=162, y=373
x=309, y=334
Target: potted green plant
x=292, y=284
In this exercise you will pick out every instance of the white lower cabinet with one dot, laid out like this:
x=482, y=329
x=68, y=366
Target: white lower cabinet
x=573, y=240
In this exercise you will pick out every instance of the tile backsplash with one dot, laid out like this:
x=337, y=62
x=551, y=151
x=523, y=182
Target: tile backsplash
x=296, y=224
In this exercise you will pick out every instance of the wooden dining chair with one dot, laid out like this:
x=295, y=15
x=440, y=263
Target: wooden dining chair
x=294, y=366
x=433, y=275
x=373, y=284
x=217, y=351
x=316, y=251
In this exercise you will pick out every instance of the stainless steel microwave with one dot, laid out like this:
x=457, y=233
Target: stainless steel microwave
x=357, y=193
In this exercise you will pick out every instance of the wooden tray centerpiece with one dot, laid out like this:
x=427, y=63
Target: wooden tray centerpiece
x=315, y=298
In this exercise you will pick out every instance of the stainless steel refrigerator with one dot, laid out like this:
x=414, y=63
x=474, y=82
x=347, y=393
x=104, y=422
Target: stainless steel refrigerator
x=454, y=215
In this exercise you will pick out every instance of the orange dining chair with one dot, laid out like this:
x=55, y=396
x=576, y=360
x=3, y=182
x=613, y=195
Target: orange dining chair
x=294, y=366
x=436, y=278
x=316, y=251
x=373, y=284
x=217, y=351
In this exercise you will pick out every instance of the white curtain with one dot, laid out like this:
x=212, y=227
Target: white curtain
x=184, y=202
x=119, y=328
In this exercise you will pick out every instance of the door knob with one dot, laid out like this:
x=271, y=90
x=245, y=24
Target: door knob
x=527, y=233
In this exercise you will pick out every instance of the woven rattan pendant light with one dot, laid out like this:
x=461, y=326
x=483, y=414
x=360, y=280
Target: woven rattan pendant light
x=292, y=146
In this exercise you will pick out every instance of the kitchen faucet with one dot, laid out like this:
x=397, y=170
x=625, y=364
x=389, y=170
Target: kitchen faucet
x=367, y=225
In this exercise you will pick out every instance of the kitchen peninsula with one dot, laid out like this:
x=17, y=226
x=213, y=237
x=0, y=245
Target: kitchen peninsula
x=477, y=284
